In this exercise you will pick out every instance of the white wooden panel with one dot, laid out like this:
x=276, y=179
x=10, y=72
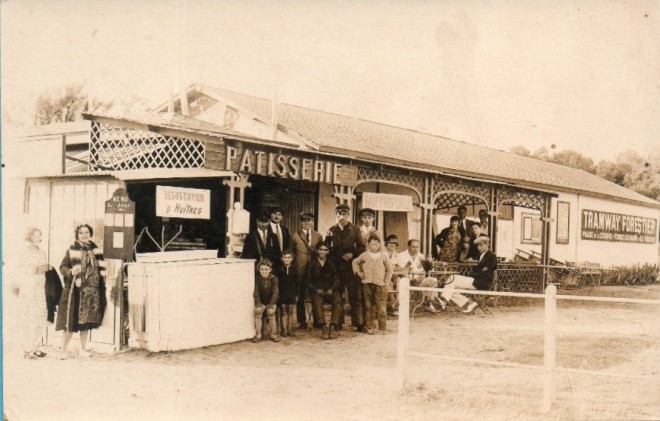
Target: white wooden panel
x=79, y=204
x=194, y=304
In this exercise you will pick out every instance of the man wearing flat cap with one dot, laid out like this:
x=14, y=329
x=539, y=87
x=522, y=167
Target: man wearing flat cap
x=343, y=237
x=367, y=228
x=261, y=242
x=481, y=279
x=391, y=243
x=304, y=245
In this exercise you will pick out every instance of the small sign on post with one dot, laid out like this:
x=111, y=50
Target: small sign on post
x=119, y=224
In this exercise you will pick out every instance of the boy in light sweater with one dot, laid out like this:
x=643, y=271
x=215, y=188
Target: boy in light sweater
x=375, y=270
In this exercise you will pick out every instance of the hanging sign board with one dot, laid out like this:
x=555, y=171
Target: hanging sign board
x=387, y=202
x=608, y=226
x=179, y=202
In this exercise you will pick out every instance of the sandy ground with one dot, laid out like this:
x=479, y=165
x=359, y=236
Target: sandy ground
x=353, y=376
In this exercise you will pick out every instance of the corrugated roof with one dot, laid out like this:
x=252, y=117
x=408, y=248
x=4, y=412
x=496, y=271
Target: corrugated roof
x=337, y=132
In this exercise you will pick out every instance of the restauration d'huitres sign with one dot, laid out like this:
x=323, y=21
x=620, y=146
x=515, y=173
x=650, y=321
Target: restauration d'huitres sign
x=608, y=226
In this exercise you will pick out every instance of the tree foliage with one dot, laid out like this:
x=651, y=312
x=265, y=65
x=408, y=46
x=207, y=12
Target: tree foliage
x=69, y=102
x=629, y=169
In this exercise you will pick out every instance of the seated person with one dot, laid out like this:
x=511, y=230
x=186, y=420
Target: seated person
x=412, y=259
x=473, y=252
x=266, y=292
x=482, y=278
x=323, y=284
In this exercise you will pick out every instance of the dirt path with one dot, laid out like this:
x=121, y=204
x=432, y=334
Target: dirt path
x=352, y=377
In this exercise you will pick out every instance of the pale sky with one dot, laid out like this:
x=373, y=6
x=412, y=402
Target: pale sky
x=582, y=75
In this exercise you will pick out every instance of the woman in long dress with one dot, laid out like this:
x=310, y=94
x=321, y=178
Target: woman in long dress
x=449, y=241
x=32, y=293
x=83, y=299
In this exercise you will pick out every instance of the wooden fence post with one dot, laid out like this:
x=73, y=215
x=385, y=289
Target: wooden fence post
x=550, y=337
x=404, y=330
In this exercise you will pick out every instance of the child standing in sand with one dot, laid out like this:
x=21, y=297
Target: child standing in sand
x=375, y=270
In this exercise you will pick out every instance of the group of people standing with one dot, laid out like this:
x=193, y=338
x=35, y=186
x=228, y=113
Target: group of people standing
x=294, y=268
x=82, y=299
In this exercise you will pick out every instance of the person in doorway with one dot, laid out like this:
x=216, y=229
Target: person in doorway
x=261, y=242
x=266, y=293
x=288, y=279
x=463, y=222
x=375, y=271
x=391, y=243
x=83, y=298
x=323, y=283
x=304, y=245
x=343, y=238
x=412, y=259
x=481, y=279
x=281, y=232
x=483, y=221
x=367, y=228
x=31, y=293
x=448, y=242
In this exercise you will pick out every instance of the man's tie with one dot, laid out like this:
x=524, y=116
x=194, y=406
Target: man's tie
x=279, y=235
x=309, y=237
x=263, y=236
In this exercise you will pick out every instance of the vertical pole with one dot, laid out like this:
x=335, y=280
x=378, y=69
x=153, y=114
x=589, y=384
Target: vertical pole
x=63, y=154
x=550, y=336
x=404, y=330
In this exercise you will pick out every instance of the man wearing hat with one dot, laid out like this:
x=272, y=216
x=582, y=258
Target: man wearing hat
x=280, y=231
x=475, y=233
x=343, y=238
x=481, y=279
x=261, y=242
x=391, y=243
x=304, y=245
x=367, y=228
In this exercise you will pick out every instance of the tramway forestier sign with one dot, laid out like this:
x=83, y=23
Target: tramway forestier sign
x=179, y=202
x=608, y=226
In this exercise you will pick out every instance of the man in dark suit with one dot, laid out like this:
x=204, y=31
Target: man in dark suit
x=463, y=222
x=475, y=232
x=280, y=231
x=481, y=279
x=343, y=238
x=261, y=242
x=303, y=243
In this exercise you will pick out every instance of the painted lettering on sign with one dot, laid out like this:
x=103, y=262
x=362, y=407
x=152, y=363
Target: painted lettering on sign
x=387, y=202
x=608, y=226
x=179, y=202
x=272, y=164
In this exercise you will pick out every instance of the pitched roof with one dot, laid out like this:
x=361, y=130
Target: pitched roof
x=388, y=144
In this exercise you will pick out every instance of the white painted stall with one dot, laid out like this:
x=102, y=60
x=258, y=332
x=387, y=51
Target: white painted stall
x=183, y=304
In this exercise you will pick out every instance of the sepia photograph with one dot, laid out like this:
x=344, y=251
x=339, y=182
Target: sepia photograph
x=330, y=210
